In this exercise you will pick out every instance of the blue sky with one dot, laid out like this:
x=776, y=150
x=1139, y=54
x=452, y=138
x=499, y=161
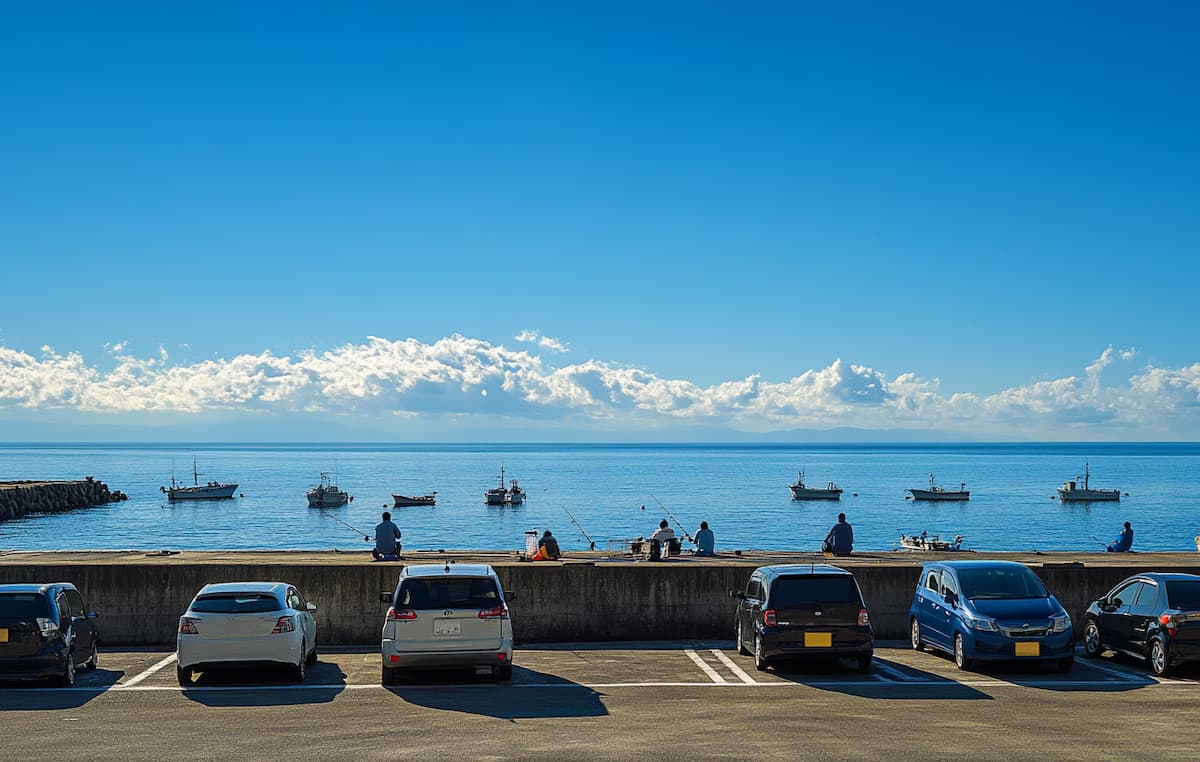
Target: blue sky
x=700, y=193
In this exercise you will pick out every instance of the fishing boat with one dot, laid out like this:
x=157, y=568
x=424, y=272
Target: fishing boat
x=1072, y=492
x=801, y=491
x=511, y=495
x=404, y=501
x=927, y=543
x=936, y=492
x=327, y=494
x=210, y=491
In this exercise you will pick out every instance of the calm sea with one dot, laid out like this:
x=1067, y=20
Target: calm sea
x=741, y=490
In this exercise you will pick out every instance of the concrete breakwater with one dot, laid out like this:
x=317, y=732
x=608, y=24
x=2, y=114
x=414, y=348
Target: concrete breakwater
x=19, y=499
x=585, y=599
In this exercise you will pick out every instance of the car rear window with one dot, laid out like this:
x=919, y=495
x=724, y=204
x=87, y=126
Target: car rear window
x=24, y=607
x=448, y=593
x=1000, y=583
x=1183, y=594
x=797, y=591
x=236, y=603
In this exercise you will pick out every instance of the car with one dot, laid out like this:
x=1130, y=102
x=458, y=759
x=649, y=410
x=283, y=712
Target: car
x=983, y=611
x=447, y=616
x=791, y=610
x=1151, y=616
x=246, y=624
x=46, y=633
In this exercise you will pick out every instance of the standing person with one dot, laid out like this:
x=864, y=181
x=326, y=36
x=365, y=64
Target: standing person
x=706, y=542
x=1123, y=542
x=386, y=535
x=840, y=540
x=548, y=547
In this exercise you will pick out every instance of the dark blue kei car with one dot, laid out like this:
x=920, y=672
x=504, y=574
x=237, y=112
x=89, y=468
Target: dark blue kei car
x=989, y=611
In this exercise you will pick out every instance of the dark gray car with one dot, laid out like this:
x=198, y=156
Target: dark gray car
x=46, y=632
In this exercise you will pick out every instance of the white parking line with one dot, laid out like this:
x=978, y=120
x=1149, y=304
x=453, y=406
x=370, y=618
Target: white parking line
x=139, y=678
x=892, y=672
x=735, y=669
x=712, y=673
x=1120, y=672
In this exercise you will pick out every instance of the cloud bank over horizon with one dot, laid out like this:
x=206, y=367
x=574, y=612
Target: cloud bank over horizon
x=461, y=377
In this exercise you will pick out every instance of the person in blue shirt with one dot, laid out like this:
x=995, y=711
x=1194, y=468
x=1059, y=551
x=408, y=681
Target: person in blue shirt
x=1123, y=542
x=386, y=535
x=706, y=542
x=840, y=540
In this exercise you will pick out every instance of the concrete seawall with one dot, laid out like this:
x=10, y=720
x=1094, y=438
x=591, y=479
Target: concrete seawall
x=19, y=499
x=589, y=598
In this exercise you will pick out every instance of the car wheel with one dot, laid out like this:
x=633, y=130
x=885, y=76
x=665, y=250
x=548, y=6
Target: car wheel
x=298, y=672
x=760, y=662
x=1092, y=648
x=311, y=659
x=960, y=654
x=865, y=662
x=504, y=673
x=93, y=660
x=67, y=678
x=741, y=642
x=1158, y=658
x=184, y=676
x=914, y=635
x=389, y=676
x=1066, y=663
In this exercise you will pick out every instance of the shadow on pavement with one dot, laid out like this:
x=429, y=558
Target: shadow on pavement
x=38, y=696
x=1045, y=676
x=838, y=676
x=267, y=687
x=558, y=697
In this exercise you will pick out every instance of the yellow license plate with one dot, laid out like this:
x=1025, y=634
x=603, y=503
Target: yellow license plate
x=1029, y=649
x=3, y=634
x=818, y=639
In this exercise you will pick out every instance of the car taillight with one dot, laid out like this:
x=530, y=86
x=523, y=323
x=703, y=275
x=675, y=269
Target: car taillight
x=284, y=624
x=499, y=611
x=1170, y=622
x=404, y=614
x=188, y=626
x=769, y=617
x=48, y=627
x=864, y=618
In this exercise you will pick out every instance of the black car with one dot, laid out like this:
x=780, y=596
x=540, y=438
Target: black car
x=46, y=633
x=1151, y=616
x=803, y=610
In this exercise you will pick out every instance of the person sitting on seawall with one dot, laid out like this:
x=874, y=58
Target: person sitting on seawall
x=840, y=540
x=706, y=542
x=663, y=540
x=547, y=548
x=1123, y=542
x=386, y=534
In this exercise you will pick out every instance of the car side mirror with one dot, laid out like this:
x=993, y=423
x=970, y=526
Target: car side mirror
x=385, y=597
x=92, y=614
x=951, y=598
x=310, y=607
x=1115, y=603
x=737, y=594
x=509, y=595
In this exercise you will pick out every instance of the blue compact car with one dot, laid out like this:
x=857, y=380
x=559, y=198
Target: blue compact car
x=989, y=611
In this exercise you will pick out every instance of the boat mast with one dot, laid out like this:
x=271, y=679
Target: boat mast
x=195, y=473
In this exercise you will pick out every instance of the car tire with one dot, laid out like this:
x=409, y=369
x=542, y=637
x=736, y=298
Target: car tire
x=298, y=672
x=741, y=642
x=389, y=676
x=865, y=663
x=960, y=654
x=914, y=636
x=1160, y=664
x=1093, y=646
x=67, y=678
x=93, y=660
x=311, y=659
x=761, y=663
x=184, y=676
x=1065, y=664
x=504, y=673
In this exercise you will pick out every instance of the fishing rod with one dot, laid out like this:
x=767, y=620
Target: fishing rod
x=586, y=536
x=366, y=538
x=686, y=536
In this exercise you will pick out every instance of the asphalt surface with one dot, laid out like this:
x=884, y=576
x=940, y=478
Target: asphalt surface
x=620, y=701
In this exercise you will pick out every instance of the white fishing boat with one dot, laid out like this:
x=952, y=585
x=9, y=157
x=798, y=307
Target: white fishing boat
x=930, y=543
x=210, y=491
x=511, y=495
x=1073, y=492
x=327, y=494
x=801, y=491
x=937, y=492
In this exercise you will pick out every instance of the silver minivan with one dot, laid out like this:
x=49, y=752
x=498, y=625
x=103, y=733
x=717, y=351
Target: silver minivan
x=447, y=616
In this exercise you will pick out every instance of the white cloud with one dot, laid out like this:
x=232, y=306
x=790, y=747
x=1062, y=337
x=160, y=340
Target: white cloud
x=458, y=375
x=545, y=342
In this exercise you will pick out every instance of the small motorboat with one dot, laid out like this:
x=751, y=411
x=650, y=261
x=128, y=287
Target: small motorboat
x=405, y=501
x=930, y=543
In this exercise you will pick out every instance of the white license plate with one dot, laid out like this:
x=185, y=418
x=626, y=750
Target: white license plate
x=447, y=627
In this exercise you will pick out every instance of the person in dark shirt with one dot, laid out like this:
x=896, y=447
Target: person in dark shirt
x=1123, y=542
x=840, y=540
x=386, y=535
x=549, y=546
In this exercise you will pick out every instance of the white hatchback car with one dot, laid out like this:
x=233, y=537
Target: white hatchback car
x=247, y=624
x=451, y=615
